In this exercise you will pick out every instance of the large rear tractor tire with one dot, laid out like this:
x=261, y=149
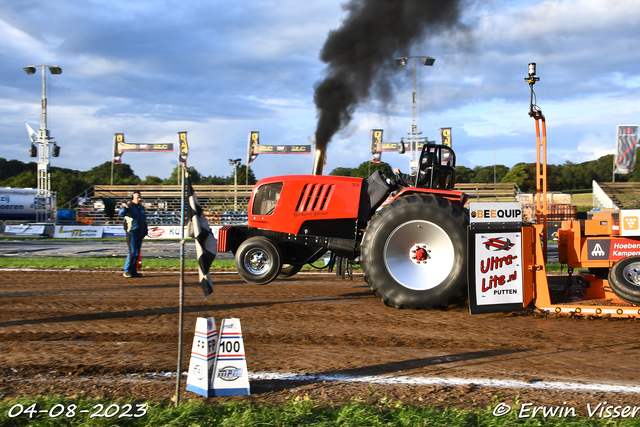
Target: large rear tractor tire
x=624, y=279
x=414, y=252
x=258, y=260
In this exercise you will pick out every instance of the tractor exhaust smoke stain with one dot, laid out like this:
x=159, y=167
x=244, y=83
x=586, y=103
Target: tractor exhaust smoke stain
x=359, y=55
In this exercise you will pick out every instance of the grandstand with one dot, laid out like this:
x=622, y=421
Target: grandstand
x=616, y=195
x=99, y=205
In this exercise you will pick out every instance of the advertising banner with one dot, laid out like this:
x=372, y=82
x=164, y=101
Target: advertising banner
x=495, y=257
x=165, y=232
x=118, y=138
x=630, y=222
x=375, y=142
x=282, y=149
x=161, y=148
x=611, y=249
x=24, y=230
x=77, y=232
x=495, y=212
x=16, y=204
x=498, y=268
x=626, y=138
x=184, y=147
x=445, y=136
x=254, y=141
x=113, y=231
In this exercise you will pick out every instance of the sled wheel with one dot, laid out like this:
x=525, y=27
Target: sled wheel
x=289, y=270
x=414, y=252
x=258, y=260
x=624, y=279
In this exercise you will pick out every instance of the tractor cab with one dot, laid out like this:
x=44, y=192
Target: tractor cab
x=439, y=165
x=437, y=168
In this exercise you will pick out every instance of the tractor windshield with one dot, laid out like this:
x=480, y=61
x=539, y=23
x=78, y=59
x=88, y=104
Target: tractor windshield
x=266, y=199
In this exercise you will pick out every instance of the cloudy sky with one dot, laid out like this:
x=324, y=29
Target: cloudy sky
x=221, y=68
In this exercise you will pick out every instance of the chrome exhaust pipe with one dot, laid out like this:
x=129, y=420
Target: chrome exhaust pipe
x=318, y=162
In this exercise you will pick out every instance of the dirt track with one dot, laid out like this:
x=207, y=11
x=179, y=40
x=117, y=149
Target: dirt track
x=76, y=332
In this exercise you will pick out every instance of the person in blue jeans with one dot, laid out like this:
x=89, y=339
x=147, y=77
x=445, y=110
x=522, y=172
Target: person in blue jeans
x=136, y=226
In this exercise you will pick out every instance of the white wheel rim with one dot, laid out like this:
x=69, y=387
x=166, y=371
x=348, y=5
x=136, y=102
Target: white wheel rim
x=632, y=273
x=400, y=246
x=256, y=261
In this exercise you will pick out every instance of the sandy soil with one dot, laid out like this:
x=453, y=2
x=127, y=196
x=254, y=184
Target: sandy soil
x=100, y=334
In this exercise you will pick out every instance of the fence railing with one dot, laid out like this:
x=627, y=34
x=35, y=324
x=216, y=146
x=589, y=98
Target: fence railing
x=484, y=191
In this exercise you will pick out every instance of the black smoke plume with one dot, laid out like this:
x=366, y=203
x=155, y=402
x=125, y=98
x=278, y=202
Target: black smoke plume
x=373, y=34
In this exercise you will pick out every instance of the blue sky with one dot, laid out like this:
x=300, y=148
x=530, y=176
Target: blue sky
x=221, y=68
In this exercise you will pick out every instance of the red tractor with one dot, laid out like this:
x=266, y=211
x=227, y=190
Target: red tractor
x=411, y=242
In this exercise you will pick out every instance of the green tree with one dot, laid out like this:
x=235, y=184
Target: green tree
x=464, y=174
x=340, y=171
x=634, y=177
x=522, y=174
x=242, y=176
x=25, y=179
x=12, y=168
x=486, y=174
x=174, y=179
x=101, y=175
x=67, y=184
x=213, y=180
x=367, y=168
x=151, y=180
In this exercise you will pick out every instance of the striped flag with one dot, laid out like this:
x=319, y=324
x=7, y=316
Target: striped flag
x=206, y=243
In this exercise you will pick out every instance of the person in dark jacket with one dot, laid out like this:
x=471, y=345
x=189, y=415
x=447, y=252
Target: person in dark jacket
x=136, y=227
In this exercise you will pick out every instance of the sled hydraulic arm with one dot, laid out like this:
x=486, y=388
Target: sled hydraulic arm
x=541, y=158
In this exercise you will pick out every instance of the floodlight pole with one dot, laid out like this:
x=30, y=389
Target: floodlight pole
x=414, y=135
x=235, y=163
x=43, y=139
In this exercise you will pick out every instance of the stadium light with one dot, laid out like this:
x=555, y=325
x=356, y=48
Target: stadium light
x=414, y=134
x=47, y=148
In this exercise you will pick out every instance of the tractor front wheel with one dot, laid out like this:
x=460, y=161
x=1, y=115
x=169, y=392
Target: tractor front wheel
x=624, y=279
x=258, y=260
x=414, y=252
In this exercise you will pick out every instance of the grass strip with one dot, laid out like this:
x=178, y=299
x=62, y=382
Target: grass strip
x=299, y=411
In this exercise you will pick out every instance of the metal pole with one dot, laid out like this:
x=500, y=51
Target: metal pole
x=414, y=120
x=113, y=159
x=181, y=290
x=44, y=178
x=235, y=186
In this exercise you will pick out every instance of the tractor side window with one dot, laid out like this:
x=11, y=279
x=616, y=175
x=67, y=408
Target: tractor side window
x=266, y=198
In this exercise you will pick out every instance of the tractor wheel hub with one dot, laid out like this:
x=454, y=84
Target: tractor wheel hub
x=420, y=253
